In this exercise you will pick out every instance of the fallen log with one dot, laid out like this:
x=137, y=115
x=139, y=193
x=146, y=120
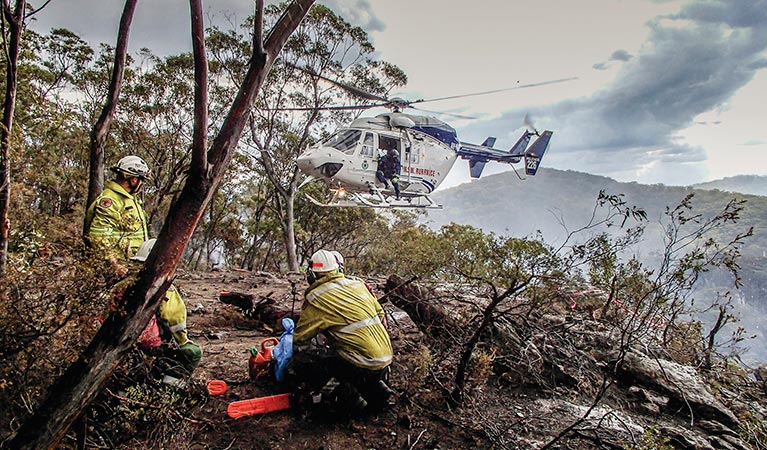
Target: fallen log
x=522, y=346
x=264, y=309
x=417, y=301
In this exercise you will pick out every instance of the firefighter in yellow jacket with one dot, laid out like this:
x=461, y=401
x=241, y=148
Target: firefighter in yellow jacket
x=183, y=355
x=116, y=222
x=351, y=365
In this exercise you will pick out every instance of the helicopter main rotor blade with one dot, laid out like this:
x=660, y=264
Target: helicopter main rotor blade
x=332, y=108
x=348, y=87
x=460, y=116
x=523, y=86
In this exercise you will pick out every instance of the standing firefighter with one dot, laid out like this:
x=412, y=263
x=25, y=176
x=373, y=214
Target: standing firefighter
x=348, y=370
x=116, y=221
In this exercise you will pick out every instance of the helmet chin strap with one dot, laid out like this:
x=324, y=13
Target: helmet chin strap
x=134, y=188
x=311, y=277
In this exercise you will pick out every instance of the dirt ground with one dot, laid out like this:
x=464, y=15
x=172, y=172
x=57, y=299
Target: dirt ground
x=225, y=335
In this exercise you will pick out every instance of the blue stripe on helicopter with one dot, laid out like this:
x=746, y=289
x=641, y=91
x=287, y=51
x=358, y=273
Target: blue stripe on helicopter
x=441, y=134
x=428, y=185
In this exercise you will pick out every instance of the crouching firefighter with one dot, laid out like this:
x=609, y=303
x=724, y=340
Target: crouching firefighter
x=166, y=336
x=342, y=351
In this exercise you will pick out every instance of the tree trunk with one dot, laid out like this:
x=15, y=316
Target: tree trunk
x=81, y=381
x=100, y=130
x=15, y=20
x=290, y=230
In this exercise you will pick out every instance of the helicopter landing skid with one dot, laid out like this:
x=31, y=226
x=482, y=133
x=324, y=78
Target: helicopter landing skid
x=376, y=199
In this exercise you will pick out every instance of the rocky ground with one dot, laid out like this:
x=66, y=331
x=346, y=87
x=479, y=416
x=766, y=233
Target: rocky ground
x=651, y=402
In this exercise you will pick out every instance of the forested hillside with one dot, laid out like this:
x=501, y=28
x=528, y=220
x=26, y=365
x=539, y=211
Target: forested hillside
x=556, y=202
x=744, y=184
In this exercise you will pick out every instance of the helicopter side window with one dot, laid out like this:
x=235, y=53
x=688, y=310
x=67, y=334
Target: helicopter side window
x=345, y=141
x=367, y=145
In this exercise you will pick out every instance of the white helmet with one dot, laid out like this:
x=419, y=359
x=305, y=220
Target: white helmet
x=133, y=166
x=144, y=250
x=339, y=259
x=323, y=261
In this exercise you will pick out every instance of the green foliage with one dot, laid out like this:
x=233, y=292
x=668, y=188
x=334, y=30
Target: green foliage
x=147, y=414
x=651, y=439
x=407, y=250
x=458, y=253
x=348, y=230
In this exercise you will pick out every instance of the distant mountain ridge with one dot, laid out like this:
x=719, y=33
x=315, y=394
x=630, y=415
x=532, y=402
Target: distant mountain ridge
x=744, y=184
x=557, y=201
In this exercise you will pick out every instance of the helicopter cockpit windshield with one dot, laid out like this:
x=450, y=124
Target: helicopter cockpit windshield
x=344, y=141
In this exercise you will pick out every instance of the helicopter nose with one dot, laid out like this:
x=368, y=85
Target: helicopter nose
x=316, y=164
x=309, y=161
x=304, y=163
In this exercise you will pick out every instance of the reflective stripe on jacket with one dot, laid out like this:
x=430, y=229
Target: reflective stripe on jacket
x=116, y=223
x=350, y=317
x=173, y=313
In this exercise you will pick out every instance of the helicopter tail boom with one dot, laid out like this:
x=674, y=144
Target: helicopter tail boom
x=479, y=155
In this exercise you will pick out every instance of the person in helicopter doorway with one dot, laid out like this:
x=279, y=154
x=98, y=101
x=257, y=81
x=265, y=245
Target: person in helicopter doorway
x=341, y=350
x=389, y=167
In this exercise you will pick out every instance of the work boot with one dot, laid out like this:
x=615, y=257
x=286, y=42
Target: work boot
x=380, y=397
x=348, y=401
x=385, y=389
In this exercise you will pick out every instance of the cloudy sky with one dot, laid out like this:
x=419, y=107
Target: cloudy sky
x=666, y=92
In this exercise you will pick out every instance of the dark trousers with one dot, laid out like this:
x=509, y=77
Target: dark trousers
x=383, y=178
x=310, y=370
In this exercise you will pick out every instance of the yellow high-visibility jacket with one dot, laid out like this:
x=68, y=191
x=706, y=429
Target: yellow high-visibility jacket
x=350, y=317
x=173, y=313
x=116, y=223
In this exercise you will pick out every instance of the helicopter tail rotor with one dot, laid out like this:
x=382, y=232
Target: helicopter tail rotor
x=529, y=124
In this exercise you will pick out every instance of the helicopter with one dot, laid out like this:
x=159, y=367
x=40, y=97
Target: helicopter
x=428, y=147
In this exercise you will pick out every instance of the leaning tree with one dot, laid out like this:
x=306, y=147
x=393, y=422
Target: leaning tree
x=83, y=379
